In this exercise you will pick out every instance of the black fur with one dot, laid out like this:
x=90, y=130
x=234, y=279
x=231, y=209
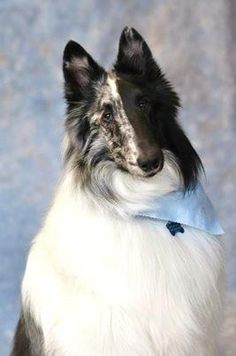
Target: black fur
x=136, y=65
x=28, y=339
x=21, y=340
x=80, y=73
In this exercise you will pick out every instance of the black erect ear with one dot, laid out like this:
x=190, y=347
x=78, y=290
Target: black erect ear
x=80, y=71
x=134, y=55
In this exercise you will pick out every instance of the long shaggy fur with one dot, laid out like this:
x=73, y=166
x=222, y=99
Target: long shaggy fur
x=98, y=281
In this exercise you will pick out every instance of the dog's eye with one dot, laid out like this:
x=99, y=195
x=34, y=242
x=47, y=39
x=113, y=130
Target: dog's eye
x=107, y=117
x=142, y=104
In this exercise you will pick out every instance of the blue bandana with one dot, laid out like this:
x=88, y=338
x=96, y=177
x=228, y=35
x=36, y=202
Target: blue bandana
x=192, y=208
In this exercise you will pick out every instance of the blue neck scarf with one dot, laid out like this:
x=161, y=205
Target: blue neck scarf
x=192, y=208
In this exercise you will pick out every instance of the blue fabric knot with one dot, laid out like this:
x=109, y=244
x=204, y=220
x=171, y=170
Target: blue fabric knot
x=174, y=227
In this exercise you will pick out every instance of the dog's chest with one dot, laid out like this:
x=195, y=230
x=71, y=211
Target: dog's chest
x=118, y=260
x=112, y=283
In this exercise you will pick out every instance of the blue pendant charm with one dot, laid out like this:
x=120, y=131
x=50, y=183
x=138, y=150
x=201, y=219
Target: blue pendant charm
x=174, y=227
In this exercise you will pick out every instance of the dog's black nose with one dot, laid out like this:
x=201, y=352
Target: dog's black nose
x=148, y=165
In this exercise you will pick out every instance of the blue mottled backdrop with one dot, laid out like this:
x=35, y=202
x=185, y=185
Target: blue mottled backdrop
x=194, y=42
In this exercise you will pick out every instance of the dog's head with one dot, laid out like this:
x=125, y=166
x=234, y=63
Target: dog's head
x=126, y=116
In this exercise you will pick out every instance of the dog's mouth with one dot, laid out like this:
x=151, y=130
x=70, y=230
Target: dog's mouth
x=152, y=174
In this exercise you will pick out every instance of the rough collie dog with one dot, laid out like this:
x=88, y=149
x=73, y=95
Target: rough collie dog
x=103, y=279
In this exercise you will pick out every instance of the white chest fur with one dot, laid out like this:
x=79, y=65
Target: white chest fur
x=104, y=286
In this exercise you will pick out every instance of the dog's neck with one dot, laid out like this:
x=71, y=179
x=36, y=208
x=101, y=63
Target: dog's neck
x=115, y=191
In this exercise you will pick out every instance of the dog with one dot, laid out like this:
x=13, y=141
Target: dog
x=104, y=277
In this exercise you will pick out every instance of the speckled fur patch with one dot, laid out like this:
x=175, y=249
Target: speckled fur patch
x=119, y=136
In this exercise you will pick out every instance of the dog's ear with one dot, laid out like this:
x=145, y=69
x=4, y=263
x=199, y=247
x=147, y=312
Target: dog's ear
x=80, y=71
x=134, y=55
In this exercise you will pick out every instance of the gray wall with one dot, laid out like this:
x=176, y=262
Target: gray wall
x=193, y=41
